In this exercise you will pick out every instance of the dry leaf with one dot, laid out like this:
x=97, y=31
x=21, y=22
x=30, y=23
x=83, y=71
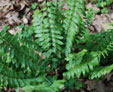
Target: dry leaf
x=107, y=26
x=5, y=6
x=20, y=4
x=99, y=20
x=93, y=84
x=93, y=6
x=13, y=31
x=12, y=18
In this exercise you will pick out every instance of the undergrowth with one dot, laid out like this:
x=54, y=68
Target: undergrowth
x=54, y=50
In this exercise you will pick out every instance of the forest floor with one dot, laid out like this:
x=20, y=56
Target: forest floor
x=15, y=12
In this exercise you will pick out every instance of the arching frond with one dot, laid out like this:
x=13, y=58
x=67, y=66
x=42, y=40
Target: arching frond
x=47, y=23
x=71, y=22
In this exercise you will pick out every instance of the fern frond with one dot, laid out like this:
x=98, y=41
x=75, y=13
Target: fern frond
x=104, y=42
x=100, y=45
x=26, y=38
x=71, y=22
x=48, y=27
x=107, y=45
x=55, y=87
x=13, y=46
x=16, y=79
x=81, y=36
x=75, y=59
x=18, y=63
x=100, y=71
x=86, y=65
x=99, y=42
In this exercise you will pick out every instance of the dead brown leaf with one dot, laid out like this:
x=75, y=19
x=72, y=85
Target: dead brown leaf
x=93, y=84
x=12, y=18
x=93, y=6
x=13, y=31
x=5, y=6
x=20, y=4
x=99, y=20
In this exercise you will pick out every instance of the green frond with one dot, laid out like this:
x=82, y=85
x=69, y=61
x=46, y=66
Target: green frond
x=81, y=36
x=55, y=87
x=103, y=42
x=99, y=42
x=26, y=38
x=100, y=71
x=84, y=66
x=47, y=23
x=9, y=48
x=14, y=79
x=71, y=22
x=75, y=59
x=18, y=62
x=107, y=45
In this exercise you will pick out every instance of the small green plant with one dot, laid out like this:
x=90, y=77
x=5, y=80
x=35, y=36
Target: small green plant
x=103, y=4
x=94, y=1
x=73, y=84
x=34, y=6
x=53, y=50
x=89, y=15
x=104, y=10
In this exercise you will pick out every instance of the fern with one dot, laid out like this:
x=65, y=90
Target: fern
x=72, y=21
x=98, y=48
x=48, y=27
x=56, y=86
x=83, y=64
x=58, y=40
x=95, y=42
x=18, y=67
x=100, y=71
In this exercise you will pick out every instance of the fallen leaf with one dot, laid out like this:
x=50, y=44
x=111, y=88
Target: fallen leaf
x=107, y=26
x=13, y=31
x=99, y=20
x=20, y=4
x=93, y=84
x=5, y=6
x=12, y=18
x=93, y=6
